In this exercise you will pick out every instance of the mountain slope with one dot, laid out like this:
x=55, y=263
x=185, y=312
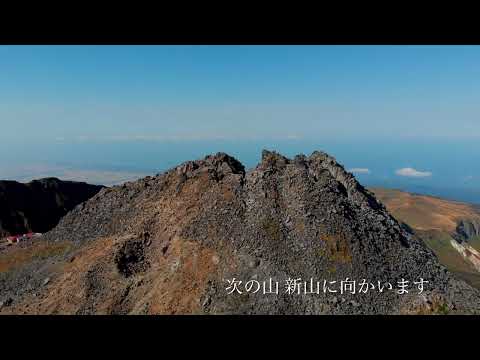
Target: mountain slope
x=38, y=205
x=171, y=244
x=447, y=227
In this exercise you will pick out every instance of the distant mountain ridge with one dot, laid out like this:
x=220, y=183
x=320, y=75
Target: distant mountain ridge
x=38, y=205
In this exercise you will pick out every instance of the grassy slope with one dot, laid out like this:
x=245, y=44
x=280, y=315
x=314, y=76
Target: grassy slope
x=475, y=242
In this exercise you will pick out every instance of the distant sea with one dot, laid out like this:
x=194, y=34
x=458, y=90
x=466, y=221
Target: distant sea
x=454, y=164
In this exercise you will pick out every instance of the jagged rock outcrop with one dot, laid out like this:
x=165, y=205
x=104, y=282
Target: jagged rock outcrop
x=467, y=229
x=37, y=206
x=170, y=244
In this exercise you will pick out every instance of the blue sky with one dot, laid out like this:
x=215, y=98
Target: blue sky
x=239, y=91
x=61, y=103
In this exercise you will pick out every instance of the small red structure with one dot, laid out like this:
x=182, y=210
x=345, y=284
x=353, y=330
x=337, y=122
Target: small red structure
x=14, y=239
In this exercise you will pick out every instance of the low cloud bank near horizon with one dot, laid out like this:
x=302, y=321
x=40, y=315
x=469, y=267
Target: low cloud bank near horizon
x=91, y=176
x=175, y=138
x=359, y=171
x=411, y=172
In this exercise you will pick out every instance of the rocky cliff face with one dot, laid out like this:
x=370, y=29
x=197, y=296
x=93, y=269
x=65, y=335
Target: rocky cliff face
x=173, y=243
x=38, y=205
x=467, y=229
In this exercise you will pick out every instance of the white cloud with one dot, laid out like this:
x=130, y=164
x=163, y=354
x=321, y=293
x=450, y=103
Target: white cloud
x=359, y=170
x=411, y=172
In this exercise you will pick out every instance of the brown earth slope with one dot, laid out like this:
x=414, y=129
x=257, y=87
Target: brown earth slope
x=170, y=244
x=424, y=212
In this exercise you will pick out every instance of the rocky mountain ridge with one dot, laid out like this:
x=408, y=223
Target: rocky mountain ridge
x=37, y=206
x=173, y=243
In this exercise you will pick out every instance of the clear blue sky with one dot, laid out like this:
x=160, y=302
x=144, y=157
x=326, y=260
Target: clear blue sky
x=402, y=116
x=123, y=92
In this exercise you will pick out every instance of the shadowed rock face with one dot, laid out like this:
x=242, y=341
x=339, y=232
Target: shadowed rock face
x=38, y=205
x=167, y=244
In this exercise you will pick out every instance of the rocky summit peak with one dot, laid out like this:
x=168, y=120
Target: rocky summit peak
x=220, y=164
x=170, y=244
x=273, y=159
